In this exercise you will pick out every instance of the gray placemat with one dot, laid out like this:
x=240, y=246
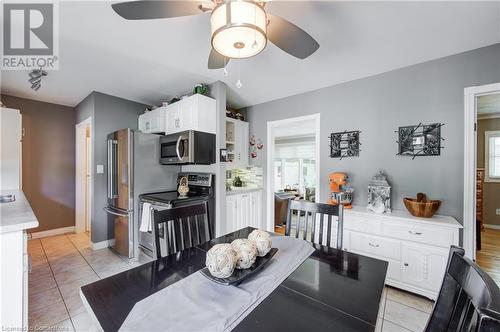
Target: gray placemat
x=198, y=304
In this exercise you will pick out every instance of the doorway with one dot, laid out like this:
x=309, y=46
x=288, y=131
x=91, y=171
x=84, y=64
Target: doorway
x=482, y=178
x=293, y=161
x=83, y=176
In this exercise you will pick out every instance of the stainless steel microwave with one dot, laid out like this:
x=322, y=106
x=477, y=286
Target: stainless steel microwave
x=187, y=147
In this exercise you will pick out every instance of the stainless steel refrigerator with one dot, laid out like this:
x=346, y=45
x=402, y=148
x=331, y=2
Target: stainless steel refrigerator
x=133, y=169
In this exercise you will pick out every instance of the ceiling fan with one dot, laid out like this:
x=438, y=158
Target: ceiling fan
x=239, y=28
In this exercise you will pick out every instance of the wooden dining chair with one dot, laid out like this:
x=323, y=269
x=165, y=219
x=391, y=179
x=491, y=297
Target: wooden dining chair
x=184, y=227
x=307, y=215
x=469, y=300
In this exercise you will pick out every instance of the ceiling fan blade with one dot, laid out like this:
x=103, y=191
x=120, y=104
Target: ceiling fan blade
x=290, y=38
x=153, y=9
x=216, y=60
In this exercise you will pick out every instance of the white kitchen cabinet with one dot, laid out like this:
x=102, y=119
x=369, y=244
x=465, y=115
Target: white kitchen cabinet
x=423, y=266
x=17, y=217
x=416, y=248
x=153, y=122
x=237, y=138
x=196, y=112
x=243, y=210
x=10, y=148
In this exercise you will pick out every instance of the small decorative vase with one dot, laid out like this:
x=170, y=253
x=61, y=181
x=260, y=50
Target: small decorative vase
x=262, y=241
x=246, y=253
x=221, y=260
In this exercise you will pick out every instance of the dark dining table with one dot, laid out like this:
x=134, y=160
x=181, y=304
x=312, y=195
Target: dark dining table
x=331, y=290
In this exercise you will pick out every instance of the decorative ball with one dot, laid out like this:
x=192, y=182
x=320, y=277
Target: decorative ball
x=262, y=241
x=221, y=260
x=246, y=253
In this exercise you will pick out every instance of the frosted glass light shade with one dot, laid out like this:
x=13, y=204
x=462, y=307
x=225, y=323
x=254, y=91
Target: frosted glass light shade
x=239, y=29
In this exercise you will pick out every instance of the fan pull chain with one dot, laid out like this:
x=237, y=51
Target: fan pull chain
x=238, y=82
x=225, y=72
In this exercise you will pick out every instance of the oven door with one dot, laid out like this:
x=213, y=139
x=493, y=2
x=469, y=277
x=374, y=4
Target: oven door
x=174, y=149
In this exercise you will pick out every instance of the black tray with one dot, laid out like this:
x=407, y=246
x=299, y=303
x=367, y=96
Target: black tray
x=240, y=275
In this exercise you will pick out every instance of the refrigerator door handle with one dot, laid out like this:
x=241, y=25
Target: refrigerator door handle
x=112, y=144
x=110, y=162
x=116, y=213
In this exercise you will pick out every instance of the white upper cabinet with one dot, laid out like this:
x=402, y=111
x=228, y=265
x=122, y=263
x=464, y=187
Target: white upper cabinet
x=196, y=112
x=237, y=137
x=10, y=149
x=153, y=122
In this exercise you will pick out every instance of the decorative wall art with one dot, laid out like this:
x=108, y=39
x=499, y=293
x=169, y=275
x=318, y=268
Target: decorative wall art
x=255, y=144
x=420, y=140
x=344, y=144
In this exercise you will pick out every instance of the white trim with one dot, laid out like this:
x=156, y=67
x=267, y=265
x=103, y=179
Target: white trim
x=52, y=232
x=79, y=182
x=102, y=244
x=470, y=147
x=271, y=125
x=486, y=116
x=490, y=226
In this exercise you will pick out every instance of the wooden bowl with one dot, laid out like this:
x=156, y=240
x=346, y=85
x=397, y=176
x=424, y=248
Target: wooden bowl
x=421, y=209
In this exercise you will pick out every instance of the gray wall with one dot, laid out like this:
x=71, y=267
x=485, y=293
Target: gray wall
x=377, y=106
x=48, y=160
x=109, y=114
x=491, y=190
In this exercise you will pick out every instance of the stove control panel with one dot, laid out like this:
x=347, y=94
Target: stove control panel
x=197, y=179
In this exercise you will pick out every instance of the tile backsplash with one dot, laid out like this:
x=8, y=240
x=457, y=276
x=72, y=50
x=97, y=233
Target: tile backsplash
x=250, y=176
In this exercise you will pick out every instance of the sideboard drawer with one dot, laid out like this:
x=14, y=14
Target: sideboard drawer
x=362, y=223
x=375, y=245
x=433, y=236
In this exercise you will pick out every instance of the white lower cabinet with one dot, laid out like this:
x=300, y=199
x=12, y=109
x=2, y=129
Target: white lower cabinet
x=416, y=248
x=243, y=210
x=423, y=266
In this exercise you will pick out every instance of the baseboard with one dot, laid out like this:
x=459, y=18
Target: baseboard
x=102, y=244
x=491, y=226
x=52, y=232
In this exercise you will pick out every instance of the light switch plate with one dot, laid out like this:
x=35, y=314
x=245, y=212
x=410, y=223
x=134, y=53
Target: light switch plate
x=498, y=212
x=100, y=169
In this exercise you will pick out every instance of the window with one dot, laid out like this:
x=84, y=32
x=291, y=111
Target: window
x=492, y=155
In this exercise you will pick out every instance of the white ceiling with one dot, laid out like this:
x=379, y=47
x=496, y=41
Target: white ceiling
x=488, y=104
x=151, y=61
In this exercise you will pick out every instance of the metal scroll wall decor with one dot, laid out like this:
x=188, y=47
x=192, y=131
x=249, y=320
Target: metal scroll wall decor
x=344, y=144
x=420, y=140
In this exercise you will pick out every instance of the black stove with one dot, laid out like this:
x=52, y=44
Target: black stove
x=201, y=188
x=172, y=197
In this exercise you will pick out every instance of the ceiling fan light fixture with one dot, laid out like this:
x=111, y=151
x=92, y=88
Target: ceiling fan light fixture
x=239, y=28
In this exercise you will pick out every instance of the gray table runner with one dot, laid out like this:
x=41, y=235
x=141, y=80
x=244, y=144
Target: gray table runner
x=198, y=304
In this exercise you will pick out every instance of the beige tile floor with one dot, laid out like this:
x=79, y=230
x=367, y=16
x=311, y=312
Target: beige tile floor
x=60, y=266
x=64, y=263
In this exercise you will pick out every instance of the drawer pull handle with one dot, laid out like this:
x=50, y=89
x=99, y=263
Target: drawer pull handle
x=373, y=245
x=415, y=232
x=406, y=264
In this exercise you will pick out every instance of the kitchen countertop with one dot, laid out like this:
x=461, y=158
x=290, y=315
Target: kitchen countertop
x=242, y=190
x=17, y=215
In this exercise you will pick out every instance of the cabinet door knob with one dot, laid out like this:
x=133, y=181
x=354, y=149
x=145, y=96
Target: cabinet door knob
x=405, y=264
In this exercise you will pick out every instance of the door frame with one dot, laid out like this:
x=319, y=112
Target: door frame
x=80, y=180
x=470, y=163
x=271, y=126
